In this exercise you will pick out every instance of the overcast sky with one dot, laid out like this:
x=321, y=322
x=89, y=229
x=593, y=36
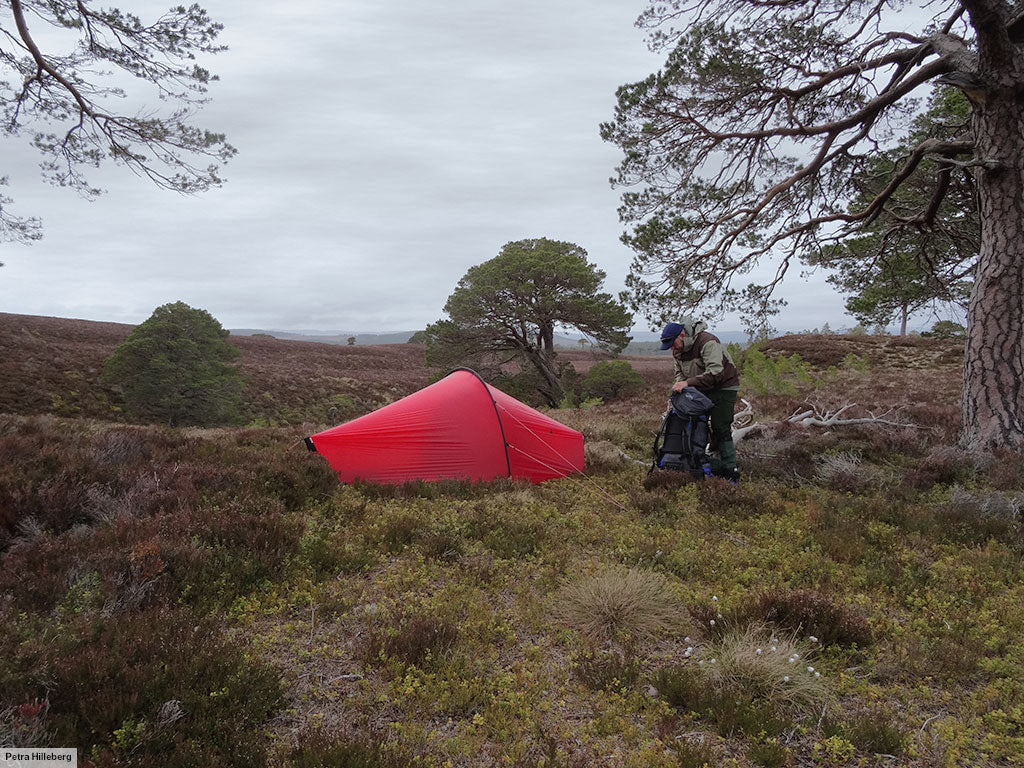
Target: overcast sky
x=384, y=148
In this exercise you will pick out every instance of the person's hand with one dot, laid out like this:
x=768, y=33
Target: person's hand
x=679, y=386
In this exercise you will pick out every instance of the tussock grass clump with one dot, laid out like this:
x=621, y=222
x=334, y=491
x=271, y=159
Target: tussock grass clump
x=617, y=604
x=751, y=682
x=768, y=666
x=847, y=471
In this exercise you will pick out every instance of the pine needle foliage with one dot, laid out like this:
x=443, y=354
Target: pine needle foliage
x=176, y=368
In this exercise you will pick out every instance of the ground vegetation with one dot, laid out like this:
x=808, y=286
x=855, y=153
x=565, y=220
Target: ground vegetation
x=214, y=596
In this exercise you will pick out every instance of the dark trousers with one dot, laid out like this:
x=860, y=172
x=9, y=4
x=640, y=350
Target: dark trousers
x=721, y=425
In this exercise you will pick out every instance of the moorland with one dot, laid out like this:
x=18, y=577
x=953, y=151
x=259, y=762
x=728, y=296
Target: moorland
x=184, y=596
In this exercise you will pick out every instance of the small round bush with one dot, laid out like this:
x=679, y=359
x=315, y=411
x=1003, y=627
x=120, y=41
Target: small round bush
x=611, y=379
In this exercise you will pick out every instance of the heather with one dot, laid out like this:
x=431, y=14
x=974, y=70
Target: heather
x=183, y=596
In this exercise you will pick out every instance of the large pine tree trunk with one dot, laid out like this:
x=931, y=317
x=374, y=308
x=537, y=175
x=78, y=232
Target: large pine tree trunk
x=993, y=385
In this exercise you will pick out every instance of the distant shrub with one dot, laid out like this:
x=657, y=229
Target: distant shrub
x=946, y=329
x=175, y=368
x=611, y=380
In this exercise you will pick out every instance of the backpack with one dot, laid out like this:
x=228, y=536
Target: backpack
x=681, y=443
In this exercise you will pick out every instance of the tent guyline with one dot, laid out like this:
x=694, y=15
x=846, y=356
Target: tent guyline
x=452, y=429
x=587, y=477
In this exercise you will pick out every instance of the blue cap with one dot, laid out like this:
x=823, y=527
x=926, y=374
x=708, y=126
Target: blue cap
x=669, y=334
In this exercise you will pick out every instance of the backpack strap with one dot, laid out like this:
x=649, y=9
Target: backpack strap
x=657, y=439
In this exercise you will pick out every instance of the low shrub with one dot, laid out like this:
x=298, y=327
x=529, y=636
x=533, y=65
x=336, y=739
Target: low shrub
x=875, y=731
x=161, y=686
x=730, y=708
x=810, y=613
x=694, y=753
x=605, y=668
x=414, y=640
x=769, y=753
x=735, y=501
x=320, y=749
x=973, y=518
x=943, y=465
x=819, y=614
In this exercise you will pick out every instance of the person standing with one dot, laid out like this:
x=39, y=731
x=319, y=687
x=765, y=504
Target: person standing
x=701, y=361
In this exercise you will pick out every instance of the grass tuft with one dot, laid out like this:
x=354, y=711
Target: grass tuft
x=618, y=605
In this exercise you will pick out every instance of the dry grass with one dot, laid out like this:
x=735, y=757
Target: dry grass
x=774, y=666
x=618, y=604
x=847, y=471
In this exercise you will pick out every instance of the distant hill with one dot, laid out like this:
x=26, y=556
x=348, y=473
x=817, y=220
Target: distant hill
x=54, y=366
x=330, y=337
x=644, y=342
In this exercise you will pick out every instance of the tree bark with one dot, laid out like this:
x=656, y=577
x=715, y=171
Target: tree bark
x=903, y=320
x=552, y=389
x=993, y=384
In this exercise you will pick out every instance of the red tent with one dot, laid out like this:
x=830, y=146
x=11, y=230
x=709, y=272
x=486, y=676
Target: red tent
x=461, y=428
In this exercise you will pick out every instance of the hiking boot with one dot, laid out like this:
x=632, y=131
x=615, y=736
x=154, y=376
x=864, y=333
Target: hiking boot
x=732, y=475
